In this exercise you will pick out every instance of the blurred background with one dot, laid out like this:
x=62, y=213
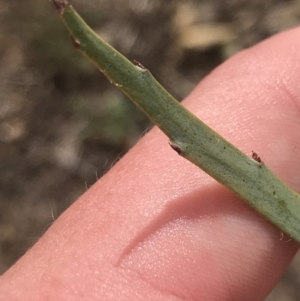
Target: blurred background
x=63, y=125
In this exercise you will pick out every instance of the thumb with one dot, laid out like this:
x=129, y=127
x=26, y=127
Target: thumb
x=158, y=228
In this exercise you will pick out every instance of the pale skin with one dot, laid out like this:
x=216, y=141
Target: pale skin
x=155, y=227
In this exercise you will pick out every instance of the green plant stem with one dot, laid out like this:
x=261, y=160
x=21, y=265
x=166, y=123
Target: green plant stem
x=190, y=137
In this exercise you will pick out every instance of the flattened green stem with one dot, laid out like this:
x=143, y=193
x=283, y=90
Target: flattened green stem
x=191, y=138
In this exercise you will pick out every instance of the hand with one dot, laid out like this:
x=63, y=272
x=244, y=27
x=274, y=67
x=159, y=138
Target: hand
x=158, y=228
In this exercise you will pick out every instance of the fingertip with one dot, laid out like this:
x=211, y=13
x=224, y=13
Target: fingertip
x=157, y=228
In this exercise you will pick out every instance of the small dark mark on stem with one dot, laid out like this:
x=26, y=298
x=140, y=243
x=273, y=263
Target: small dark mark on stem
x=140, y=65
x=176, y=148
x=75, y=43
x=60, y=5
x=256, y=157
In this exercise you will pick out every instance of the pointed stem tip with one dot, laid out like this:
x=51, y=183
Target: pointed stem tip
x=60, y=5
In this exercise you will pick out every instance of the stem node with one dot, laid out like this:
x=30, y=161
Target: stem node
x=176, y=147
